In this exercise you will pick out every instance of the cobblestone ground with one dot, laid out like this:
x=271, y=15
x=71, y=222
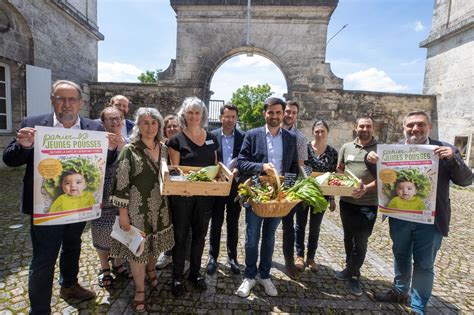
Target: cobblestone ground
x=315, y=292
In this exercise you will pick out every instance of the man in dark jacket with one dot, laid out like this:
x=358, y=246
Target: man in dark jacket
x=419, y=241
x=230, y=141
x=122, y=103
x=264, y=149
x=47, y=240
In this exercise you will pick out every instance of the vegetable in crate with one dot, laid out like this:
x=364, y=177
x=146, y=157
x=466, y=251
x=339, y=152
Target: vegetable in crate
x=205, y=174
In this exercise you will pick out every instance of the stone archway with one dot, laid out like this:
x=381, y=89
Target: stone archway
x=292, y=34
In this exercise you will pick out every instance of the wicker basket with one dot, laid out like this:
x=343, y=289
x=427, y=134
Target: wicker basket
x=272, y=209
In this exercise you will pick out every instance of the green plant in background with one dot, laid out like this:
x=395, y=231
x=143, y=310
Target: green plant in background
x=83, y=166
x=249, y=100
x=421, y=181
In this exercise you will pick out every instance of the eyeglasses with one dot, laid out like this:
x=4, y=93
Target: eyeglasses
x=63, y=100
x=112, y=119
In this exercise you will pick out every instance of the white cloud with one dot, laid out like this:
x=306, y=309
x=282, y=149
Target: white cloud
x=411, y=62
x=242, y=61
x=118, y=72
x=372, y=80
x=418, y=26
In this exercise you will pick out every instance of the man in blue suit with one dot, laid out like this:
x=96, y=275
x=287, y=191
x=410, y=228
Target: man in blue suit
x=264, y=149
x=230, y=141
x=66, y=98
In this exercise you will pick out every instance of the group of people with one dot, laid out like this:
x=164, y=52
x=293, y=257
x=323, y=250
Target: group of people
x=176, y=226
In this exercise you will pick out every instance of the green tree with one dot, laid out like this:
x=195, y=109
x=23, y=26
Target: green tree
x=150, y=76
x=249, y=100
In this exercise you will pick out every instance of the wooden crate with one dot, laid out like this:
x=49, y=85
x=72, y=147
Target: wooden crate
x=334, y=190
x=184, y=188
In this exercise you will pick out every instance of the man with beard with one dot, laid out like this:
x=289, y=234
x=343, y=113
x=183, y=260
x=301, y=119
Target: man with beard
x=289, y=123
x=418, y=240
x=264, y=149
x=359, y=211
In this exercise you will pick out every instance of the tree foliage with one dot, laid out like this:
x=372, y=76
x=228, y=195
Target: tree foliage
x=249, y=100
x=150, y=76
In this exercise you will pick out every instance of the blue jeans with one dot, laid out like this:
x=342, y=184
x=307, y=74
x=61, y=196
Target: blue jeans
x=268, y=227
x=47, y=240
x=420, y=242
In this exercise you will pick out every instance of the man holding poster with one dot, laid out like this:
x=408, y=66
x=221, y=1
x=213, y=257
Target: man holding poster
x=422, y=240
x=47, y=240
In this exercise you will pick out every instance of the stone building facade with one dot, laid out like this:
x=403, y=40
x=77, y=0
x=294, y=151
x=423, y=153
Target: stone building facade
x=58, y=38
x=449, y=72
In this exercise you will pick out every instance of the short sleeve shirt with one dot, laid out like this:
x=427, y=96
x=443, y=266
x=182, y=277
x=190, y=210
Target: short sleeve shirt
x=352, y=154
x=192, y=154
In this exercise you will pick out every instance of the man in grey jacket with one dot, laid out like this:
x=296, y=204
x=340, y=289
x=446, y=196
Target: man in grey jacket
x=419, y=241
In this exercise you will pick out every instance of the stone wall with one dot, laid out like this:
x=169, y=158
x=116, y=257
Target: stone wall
x=449, y=70
x=339, y=108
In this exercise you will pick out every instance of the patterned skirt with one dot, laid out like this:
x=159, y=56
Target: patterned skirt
x=102, y=227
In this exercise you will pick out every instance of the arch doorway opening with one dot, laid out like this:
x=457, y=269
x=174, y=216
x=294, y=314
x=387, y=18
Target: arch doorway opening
x=239, y=71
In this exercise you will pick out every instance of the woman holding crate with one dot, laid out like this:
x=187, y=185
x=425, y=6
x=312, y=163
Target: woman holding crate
x=193, y=146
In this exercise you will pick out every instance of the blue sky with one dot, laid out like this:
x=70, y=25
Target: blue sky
x=377, y=51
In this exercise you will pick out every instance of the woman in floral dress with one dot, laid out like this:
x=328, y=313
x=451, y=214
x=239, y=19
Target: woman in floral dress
x=137, y=194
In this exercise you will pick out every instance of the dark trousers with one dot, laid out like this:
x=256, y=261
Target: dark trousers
x=313, y=233
x=189, y=213
x=288, y=226
x=233, y=208
x=358, y=223
x=47, y=241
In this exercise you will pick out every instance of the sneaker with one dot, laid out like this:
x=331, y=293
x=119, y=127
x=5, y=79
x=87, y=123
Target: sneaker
x=187, y=264
x=299, y=263
x=245, y=287
x=312, y=265
x=392, y=297
x=354, y=286
x=267, y=284
x=163, y=261
x=76, y=292
x=342, y=275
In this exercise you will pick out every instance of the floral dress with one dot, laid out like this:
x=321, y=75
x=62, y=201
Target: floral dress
x=137, y=188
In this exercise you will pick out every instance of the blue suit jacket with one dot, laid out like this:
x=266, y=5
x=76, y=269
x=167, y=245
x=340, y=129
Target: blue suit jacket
x=254, y=153
x=238, y=139
x=129, y=124
x=14, y=155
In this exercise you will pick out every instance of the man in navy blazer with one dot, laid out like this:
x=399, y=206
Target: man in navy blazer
x=264, y=149
x=66, y=98
x=419, y=241
x=230, y=140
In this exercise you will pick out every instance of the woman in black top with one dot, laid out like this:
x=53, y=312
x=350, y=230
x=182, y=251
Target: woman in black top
x=321, y=158
x=193, y=146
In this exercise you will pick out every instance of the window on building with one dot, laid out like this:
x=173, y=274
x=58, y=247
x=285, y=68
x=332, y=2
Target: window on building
x=5, y=98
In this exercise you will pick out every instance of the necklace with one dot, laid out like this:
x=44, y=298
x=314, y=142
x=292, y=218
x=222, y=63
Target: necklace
x=151, y=149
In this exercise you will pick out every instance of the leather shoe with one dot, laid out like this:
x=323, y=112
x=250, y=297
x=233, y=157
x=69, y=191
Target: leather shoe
x=234, y=266
x=392, y=297
x=291, y=270
x=76, y=292
x=199, y=283
x=177, y=289
x=211, y=266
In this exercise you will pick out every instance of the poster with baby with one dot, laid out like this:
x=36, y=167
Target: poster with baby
x=69, y=173
x=407, y=178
